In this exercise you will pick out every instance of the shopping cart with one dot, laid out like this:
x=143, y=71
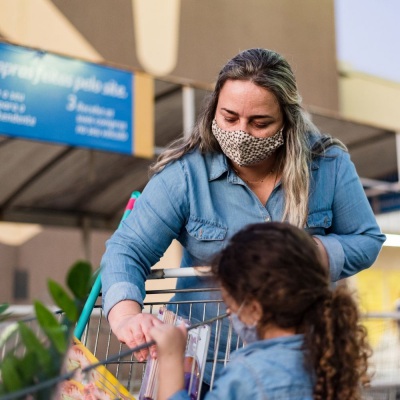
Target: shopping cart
x=98, y=337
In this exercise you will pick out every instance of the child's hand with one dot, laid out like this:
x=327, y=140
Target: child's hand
x=171, y=344
x=170, y=340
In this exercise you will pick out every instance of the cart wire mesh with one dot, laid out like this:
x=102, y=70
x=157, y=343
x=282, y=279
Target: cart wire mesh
x=99, y=338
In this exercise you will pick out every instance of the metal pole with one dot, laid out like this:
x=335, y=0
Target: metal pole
x=189, y=110
x=398, y=155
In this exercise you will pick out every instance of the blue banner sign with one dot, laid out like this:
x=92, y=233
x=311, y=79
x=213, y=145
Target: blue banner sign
x=63, y=100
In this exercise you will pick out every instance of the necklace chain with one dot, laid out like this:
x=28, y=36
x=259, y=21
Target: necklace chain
x=271, y=171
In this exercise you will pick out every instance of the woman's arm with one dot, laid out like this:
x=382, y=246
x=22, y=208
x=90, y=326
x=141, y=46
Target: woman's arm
x=323, y=255
x=354, y=239
x=139, y=242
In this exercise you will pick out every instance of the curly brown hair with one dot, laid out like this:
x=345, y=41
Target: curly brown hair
x=278, y=265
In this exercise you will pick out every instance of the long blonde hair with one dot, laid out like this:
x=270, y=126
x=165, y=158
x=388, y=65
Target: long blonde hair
x=271, y=71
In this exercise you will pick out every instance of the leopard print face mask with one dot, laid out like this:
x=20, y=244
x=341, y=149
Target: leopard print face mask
x=245, y=149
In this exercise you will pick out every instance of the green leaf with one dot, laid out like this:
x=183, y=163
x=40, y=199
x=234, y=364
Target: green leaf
x=78, y=279
x=34, y=346
x=54, y=331
x=63, y=300
x=7, y=333
x=43, y=359
x=31, y=342
x=27, y=367
x=3, y=307
x=12, y=381
x=3, y=314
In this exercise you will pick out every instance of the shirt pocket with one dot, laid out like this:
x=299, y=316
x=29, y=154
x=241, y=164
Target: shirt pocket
x=318, y=222
x=203, y=239
x=205, y=230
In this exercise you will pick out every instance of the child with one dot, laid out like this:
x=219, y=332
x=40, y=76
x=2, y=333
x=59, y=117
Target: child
x=303, y=340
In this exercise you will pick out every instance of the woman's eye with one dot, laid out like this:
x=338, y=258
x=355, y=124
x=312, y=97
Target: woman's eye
x=230, y=120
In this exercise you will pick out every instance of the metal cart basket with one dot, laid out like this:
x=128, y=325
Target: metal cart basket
x=97, y=335
x=103, y=344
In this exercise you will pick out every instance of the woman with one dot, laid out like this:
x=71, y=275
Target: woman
x=303, y=340
x=253, y=156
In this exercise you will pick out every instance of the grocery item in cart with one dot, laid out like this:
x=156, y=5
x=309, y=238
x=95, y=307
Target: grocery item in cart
x=194, y=363
x=98, y=383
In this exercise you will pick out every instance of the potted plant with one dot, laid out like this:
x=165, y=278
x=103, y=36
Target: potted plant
x=32, y=367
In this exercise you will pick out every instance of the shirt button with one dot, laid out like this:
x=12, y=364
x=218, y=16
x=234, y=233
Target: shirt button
x=267, y=219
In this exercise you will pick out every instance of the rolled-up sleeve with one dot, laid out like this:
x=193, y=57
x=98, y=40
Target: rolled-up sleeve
x=354, y=240
x=142, y=238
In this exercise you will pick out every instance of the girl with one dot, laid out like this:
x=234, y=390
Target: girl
x=303, y=340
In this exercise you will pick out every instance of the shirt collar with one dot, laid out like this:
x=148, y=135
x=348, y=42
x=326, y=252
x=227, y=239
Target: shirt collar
x=292, y=341
x=218, y=165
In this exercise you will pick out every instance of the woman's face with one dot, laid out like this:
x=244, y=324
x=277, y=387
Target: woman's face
x=242, y=105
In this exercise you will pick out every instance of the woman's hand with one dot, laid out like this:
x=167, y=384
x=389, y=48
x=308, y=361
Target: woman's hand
x=132, y=327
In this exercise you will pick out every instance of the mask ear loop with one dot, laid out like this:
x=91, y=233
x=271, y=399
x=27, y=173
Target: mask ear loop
x=230, y=312
x=254, y=324
x=240, y=308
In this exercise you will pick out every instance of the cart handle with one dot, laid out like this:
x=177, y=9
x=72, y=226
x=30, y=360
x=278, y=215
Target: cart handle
x=188, y=272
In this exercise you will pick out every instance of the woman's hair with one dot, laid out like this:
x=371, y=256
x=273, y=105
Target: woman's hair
x=271, y=71
x=278, y=265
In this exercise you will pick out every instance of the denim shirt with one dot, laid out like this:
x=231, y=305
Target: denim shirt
x=270, y=369
x=201, y=202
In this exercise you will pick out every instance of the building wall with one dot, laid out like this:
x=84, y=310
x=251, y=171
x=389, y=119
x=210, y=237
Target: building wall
x=369, y=99
x=52, y=252
x=302, y=31
x=8, y=261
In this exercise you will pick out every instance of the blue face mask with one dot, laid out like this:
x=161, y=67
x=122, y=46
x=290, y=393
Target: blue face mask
x=248, y=333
